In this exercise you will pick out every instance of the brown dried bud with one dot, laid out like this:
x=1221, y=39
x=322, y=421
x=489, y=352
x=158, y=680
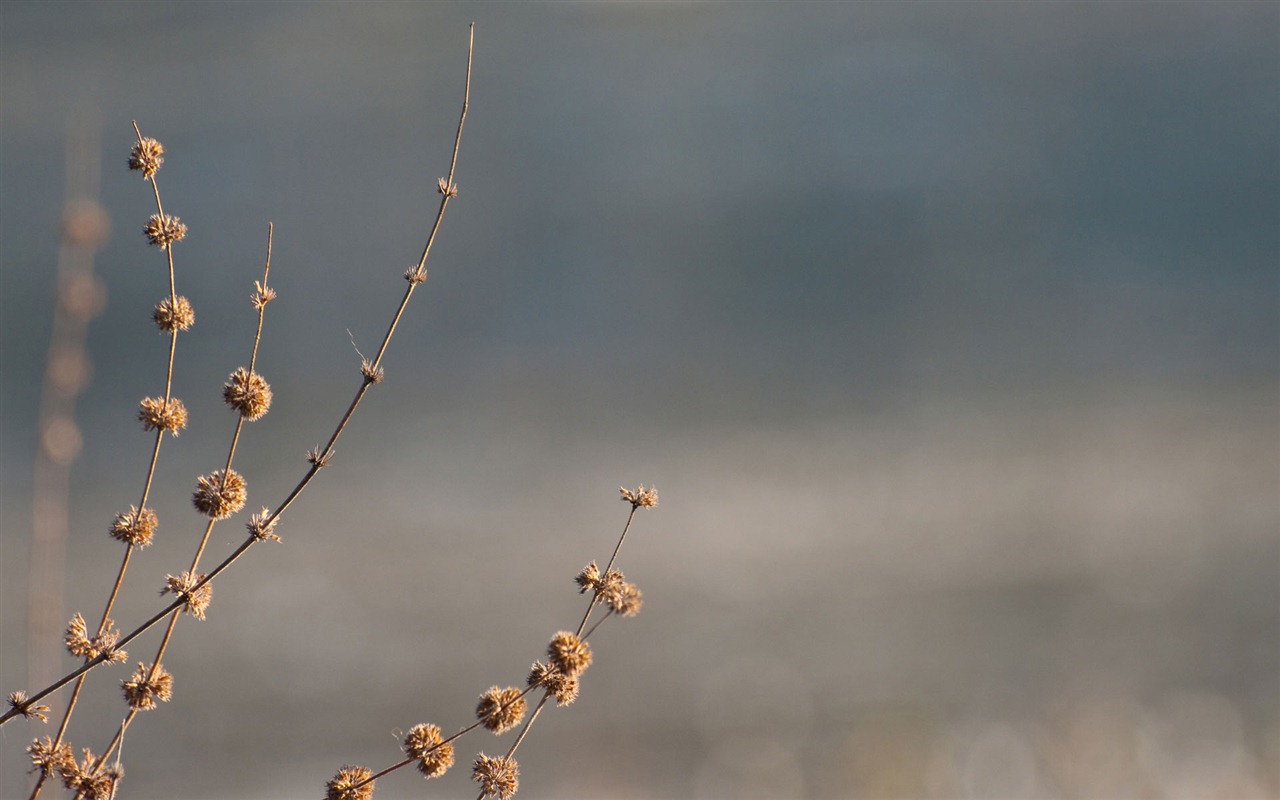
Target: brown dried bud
x=165, y=230
x=562, y=687
x=261, y=295
x=48, y=759
x=349, y=784
x=29, y=710
x=447, y=187
x=135, y=527
x=433, y=754
x=146, y=686
x=501, y=709
x=87, y=781
x=81, y=646
x=568, y=653
x=197, y=600
x=169, y=316
x=247, y=393
x=498, y=777
x=371, y=373
x=415, y=275
x=624, y=598
x=640, y=498
x=218, y=497
x=156, y=414
x=261, y=525
x=147, y=155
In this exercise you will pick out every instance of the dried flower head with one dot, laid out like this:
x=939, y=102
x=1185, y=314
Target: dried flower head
x=145, y=687
x=349, y=784
x=170, y=315
x=640, y=498
x=319, y=459
x=447, y=187
x=47, y=758
x=147, y=155
x=29, y=710
x=247, y=393
x=624, y=599
x=87, y=781
x=218, y=496
x=157, y=414
x=498, y=777
x=371, y=373
x=261, y=525
x=164, y=230
x=184, y=586
x=415, y=275
x=424, y=744
x=81, y=646
x=588, y=579
x=568, y=653
x=135, y=527
x=563, y=688
x=501, y=709
x=261, y=295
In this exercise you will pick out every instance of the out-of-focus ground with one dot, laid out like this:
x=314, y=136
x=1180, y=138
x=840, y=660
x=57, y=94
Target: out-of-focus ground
x=949, y=334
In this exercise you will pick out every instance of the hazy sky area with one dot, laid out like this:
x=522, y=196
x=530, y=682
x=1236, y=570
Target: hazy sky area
x=949, y=332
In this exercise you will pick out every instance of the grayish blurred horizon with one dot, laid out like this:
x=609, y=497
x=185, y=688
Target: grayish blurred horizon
x=950, y=334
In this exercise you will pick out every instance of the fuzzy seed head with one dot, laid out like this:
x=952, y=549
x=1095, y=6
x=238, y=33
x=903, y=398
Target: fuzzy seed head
x=261, y=295
x=498, y=777
x=415, y=276
x=164, y=230
x=261, y=525
x=563, y=688
x=48, y=759
x=247, y=393
x=197, y=600
x=81, y=646
x=434, y=756
x=29, y=710
x=173, y=316
x=135, y=527
x=640, y=498
x=156, y=414
x=146, y=156
x=349, y=784
x=568, y=653
x=371, y=373
x=501, y=709
x=146, y=686
x=218, y=496
x=89, y=782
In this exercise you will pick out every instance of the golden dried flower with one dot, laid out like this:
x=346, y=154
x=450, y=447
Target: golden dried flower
x=447, y=187
x=170, y=316
x=81, y=646
x=261, y=295
x=624, y=599
x=87, y=781
x=261, y=525
x=498, y=777
x=147, y=155
x=640, y=498
x=197, y=600
x=588, y=579
x=145, y=687
x=163, y=231
x=563, y=688
x=568, y=653
x=424, y=745
x=135, y=527
x=349, y=784
x=29, y=710
x=48, y=759
x=247, y=393
x=501, y=709
x=415, y=276
x=371, y=373
x=218, y=497
x=156, y=414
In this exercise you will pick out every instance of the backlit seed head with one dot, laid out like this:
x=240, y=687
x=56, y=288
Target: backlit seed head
x=164, y=230
x=87, y=781
x=261, y=525
x=135, y=527
x=447, y=187
x=29, y=710
x=562, y=687
x=156, y=414
x=501, y=709
x=568, y=653
x=217, y=497
x=640, y=498
x=146, y=686
x=169, y=316
x=498, y=777
x=81, y=646
x=247, y=393
x=349, y=784
x=48, y=759
x=261, y=295
x=415, y=276
x=147, y=155
x=197, y=600
x=433, y=755
x=371, y=373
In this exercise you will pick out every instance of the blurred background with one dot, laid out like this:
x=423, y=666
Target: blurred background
x=947, y=332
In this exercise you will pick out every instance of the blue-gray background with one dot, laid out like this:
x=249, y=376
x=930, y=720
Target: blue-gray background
x=948, y=333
